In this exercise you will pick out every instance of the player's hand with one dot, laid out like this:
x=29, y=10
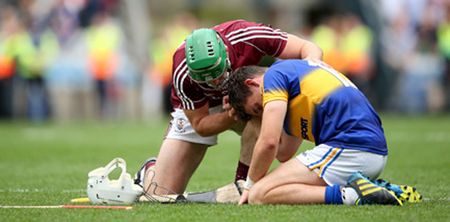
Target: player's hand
x=244, y=197
x=226, y=103
x=228, y=108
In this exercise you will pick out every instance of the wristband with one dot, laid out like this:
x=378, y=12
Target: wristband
x=248, y=183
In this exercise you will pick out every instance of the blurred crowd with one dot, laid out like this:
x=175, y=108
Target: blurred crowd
x=61, y=59
x=415, y=46
x=402, y=58
x=69, y=59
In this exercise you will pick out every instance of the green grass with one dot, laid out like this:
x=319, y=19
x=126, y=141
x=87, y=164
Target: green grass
x=48, y=165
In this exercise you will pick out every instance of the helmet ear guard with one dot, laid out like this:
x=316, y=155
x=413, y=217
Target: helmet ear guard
x=206, y=55
x=102, y=190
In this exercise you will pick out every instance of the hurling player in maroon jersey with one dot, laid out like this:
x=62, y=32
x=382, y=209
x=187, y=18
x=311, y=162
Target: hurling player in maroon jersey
x=201, y=66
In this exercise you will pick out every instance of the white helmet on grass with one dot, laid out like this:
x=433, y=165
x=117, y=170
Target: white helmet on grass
x=102, y=190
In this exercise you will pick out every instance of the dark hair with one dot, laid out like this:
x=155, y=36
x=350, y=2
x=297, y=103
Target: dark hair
x=238, y=91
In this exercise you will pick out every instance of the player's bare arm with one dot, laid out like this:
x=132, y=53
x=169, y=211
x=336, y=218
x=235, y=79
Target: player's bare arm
x=206, y=124
x=301, y=48
x=267, y=144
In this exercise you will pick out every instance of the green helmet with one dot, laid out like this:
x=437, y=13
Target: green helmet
x=206, y=55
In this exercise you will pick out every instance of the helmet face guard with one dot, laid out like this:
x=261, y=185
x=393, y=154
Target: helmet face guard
x=206, y=56
x=102, y=190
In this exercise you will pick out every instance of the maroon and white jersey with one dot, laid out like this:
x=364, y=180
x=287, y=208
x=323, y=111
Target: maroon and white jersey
x=246, y=42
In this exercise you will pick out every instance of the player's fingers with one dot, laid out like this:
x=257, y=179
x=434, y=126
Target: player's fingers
x=226, y=103
x=231, y=113
x=242, y=202
x=225, y=100
x=244, y=198
x=226, y=106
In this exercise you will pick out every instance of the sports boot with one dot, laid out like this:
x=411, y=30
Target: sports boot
x=403, y=192
x=370, y=193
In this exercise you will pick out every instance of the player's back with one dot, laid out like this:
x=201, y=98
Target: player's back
x=324, y=106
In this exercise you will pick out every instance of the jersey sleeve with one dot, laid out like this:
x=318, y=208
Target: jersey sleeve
x=258, y=36
x=275, y=86
x=187, y=94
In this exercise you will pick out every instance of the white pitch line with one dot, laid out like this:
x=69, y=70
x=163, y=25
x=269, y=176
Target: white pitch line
x=112, y=207
x=34, y=190
x=436, y=136
x=31, y=207
x=437, y=199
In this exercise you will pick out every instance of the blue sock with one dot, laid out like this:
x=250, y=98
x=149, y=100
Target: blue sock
x=333, y=195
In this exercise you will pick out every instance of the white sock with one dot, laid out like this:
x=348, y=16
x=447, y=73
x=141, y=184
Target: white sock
x=349, y=196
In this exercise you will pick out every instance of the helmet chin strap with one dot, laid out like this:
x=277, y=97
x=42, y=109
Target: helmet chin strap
x=223, y=83
x=226, y=75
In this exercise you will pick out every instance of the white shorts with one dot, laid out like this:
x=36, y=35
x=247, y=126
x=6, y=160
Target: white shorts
x=336, y=165
x=181, y=129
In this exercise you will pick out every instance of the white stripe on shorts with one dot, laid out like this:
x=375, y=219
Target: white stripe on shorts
x=336, y=165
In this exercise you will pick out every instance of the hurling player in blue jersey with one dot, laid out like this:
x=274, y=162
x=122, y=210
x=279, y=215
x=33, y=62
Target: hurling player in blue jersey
x=304, y=100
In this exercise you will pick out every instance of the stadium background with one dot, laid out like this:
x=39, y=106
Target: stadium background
x=82, y=82
x=66, y=60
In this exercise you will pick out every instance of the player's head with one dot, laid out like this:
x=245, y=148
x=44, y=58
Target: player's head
x=206, y=57
x=244, y=91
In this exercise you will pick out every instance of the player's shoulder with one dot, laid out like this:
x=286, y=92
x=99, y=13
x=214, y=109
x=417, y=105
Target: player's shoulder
x=179, y=55
x=280, y=68
x=289, y=64
x=291, y=67
x=237, y=25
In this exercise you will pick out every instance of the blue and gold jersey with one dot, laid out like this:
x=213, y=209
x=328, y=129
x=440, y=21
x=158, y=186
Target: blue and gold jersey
x=324, y=107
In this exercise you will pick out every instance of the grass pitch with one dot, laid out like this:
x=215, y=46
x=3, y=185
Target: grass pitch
x=48, y=165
